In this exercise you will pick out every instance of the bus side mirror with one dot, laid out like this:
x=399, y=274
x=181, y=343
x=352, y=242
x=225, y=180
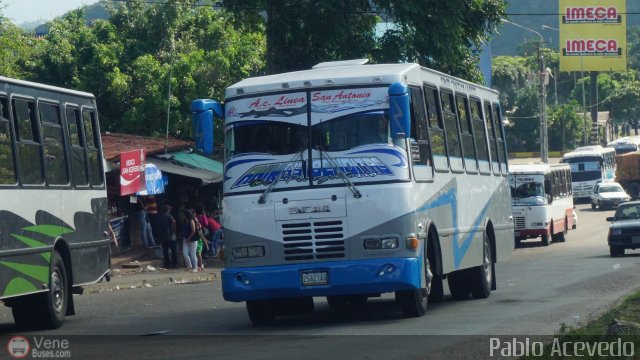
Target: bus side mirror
x=399, y=111
x=203, y=111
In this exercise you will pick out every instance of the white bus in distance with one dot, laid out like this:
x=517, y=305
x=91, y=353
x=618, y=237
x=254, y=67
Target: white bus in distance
x=348, y=181
x=589, y=166
x=542, y=202
x=625, y=144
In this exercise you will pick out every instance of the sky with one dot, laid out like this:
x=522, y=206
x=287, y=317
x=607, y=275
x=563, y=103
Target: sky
x=21, y=11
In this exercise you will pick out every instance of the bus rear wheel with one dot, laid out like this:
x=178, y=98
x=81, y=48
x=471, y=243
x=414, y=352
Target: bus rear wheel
x=482, y=276
x=45, y=310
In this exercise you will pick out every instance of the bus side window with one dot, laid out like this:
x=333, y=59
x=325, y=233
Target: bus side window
x=7, y=158
x=28, y=142
x=466, y=131
x=493, y=149
x=55, y=159
x=78, y=154
x=480, y=136
x=93, y=153
x=436, y=129
x=451, y=130
x=499, y=129
x=419, y=129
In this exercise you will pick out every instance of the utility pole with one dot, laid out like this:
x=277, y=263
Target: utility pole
x=544, y=146
x=543, y=107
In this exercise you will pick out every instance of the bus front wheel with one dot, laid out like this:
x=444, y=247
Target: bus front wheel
x=261, y=312
x=414, y=302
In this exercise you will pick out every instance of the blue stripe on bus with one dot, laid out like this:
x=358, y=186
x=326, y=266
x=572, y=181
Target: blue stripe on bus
x=449, y=198
x=403, y=161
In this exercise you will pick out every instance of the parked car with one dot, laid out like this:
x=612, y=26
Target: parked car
x=608, y=195
x=624, y=231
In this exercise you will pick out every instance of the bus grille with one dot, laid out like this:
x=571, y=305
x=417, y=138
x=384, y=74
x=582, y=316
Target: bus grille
x=313, y=239
x=519, y=222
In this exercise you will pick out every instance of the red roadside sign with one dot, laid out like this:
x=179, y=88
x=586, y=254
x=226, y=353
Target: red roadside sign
x=132, y=179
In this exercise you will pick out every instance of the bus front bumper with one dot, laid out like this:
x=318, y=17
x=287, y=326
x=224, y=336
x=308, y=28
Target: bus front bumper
x=321, y=279
x=531, y=233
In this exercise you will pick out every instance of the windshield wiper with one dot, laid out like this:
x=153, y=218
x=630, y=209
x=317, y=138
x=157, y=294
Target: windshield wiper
x=263, y=197
x=343, y=176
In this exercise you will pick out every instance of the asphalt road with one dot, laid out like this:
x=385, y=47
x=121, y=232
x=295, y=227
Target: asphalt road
x=539, y=288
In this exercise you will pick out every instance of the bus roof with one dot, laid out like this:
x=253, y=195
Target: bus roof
x=588, y=151
x=536, y=168
x=34, y=85
x=344, y=73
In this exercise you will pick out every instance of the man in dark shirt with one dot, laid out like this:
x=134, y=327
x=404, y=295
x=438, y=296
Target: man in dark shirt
x=167, y=235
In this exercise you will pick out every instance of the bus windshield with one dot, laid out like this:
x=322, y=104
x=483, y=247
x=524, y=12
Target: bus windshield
x=528, y=193
x=347, y=132
x=265, y=137
x=282, y=138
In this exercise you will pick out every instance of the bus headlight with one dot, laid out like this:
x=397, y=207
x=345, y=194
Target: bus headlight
x=381, y=243
x=244, y=252
x=389, y=243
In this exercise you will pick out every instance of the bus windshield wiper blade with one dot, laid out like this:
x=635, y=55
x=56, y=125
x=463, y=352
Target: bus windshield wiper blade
x=263, y=197
x=343, y=176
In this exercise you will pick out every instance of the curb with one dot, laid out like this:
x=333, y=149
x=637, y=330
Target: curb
x=120, y=282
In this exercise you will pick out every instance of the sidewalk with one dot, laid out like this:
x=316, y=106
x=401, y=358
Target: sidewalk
x=142, y=267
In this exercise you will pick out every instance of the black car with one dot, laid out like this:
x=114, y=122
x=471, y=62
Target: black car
x=624, y=231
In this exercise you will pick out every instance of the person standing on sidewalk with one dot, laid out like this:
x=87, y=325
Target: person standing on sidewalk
x=215, y=231
x=189, y=241
x=166, y=225
x=203, y=233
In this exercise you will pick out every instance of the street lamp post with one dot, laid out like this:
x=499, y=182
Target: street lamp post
x=544, y=145
x=584, y=107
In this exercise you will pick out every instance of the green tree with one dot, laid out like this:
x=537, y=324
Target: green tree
x=17, y=49
x=523, y=133
x=565, y=127
x=130, y=60
x=509, y=75
x=441, y=34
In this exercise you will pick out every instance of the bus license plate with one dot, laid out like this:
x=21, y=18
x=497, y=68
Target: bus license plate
x=315, y=278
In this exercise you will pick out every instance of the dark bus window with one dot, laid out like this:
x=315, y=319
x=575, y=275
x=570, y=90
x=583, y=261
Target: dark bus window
x=7, y=163
x=466, y=131
x=497, y=116
x=78, y=153
x=493, y=147
x=451, y=128
x=419, y=134
x=479, y=135
x=436, y=129
x=52, y=140
x=93, y=154
x=28, y=142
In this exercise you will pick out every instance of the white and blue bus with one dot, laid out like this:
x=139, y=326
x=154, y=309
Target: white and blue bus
x=348, y=181
x=589, y=166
